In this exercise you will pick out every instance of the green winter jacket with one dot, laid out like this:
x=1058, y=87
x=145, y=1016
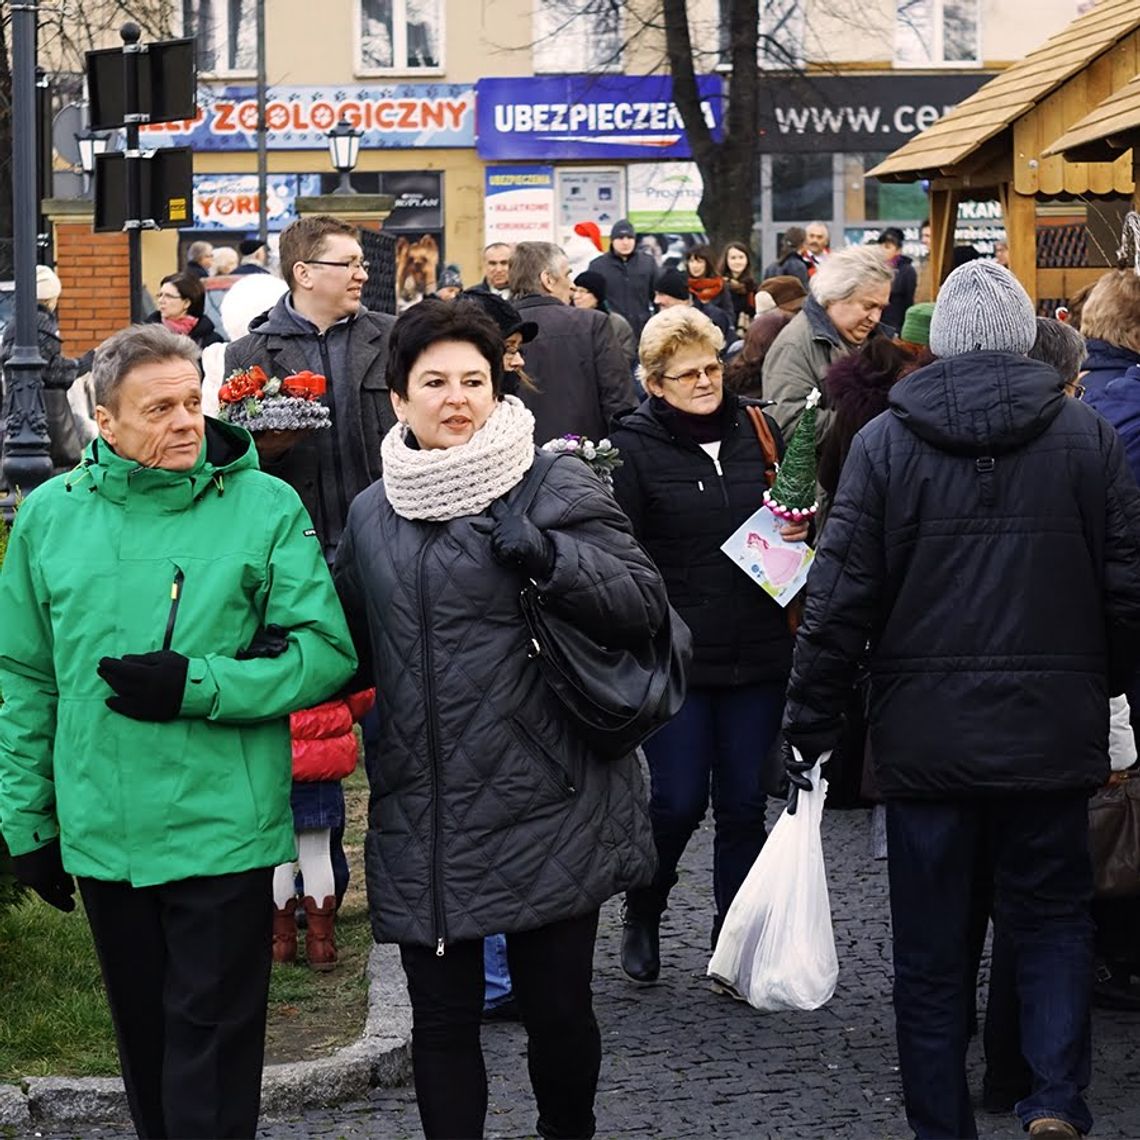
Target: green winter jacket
x=89, y=572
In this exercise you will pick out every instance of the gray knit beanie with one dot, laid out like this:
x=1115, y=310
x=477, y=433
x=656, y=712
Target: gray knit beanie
x=982, y=308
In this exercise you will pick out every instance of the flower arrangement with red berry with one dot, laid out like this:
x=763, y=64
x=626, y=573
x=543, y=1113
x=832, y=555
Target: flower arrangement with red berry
x=257, y=402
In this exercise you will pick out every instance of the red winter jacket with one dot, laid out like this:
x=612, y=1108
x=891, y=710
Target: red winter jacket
x=324, y=745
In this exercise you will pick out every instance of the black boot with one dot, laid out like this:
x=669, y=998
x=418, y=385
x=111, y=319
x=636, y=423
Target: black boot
x=640, y=947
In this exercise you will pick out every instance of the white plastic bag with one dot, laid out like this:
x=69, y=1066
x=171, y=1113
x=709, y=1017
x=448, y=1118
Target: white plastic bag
x=776, y=949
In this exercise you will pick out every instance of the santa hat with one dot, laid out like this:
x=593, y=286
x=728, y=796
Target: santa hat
x=590, y=230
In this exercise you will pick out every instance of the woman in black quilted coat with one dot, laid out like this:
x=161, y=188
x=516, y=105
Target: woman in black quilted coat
x=488, y=812
x=693, y=471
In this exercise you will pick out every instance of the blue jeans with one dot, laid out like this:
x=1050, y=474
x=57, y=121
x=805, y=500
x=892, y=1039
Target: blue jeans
x=1037, y=849
x=496, y=971
x=716, y=743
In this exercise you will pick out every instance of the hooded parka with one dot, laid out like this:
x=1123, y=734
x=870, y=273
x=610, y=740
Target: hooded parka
x=629, y=285
x=489, y=813
x=985, y=542
x=115, y=559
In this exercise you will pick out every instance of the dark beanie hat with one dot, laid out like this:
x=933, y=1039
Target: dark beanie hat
x=594, y=282
x=623, y=227
x=673, y=283
x=504, y=314
x=250, y=245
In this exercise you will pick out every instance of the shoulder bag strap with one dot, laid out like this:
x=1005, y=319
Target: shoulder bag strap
x=767, y=442
x=528, y=488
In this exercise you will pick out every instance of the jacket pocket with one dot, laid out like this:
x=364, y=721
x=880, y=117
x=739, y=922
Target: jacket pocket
x=549, y=763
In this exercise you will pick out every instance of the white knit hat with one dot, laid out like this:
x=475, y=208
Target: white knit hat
x=48, y=285
x=982, y=308
x=249, y=297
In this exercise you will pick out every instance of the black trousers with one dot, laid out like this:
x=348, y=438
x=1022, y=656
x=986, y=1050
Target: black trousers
x=186, y=966
x=551, y=974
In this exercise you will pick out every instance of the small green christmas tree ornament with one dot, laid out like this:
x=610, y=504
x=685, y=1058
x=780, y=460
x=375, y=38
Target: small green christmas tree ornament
x=792, y=496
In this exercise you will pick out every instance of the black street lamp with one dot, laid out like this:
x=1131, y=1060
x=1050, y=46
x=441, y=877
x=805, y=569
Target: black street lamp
x=27, y=455
x=344, y=149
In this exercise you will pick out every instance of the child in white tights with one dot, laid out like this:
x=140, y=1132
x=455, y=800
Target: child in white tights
x=324, y=753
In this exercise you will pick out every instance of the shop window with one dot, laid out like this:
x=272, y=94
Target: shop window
x=399, y=35
x=781, y=43
x=226, y=33
x=932, y=32
x=801, y=187
x=577, y=35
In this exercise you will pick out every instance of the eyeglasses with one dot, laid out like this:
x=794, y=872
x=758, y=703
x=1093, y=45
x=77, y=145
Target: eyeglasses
x=351, y=266
x=1077, y=391
x=171, y=297
x=714, y=372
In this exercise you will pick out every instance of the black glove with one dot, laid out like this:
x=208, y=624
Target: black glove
x=516, y=541
x=149, y=686
x=42, y=871
x=798, y=771
x=271, y=641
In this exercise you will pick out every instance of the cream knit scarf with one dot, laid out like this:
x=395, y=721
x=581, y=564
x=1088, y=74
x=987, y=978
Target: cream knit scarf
x=450, y=482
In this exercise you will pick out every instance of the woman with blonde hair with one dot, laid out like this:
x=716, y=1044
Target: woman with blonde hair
x=1110, y=324
x=693, y=470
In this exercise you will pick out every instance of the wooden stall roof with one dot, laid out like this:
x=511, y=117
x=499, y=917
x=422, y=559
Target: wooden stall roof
x=1008, y=96
x=1104, y=132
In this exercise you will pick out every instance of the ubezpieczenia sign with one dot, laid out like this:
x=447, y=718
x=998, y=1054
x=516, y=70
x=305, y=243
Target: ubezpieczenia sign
x=599, y=117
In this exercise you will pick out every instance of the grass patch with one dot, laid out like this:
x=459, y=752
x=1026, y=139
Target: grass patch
x=55, y=1020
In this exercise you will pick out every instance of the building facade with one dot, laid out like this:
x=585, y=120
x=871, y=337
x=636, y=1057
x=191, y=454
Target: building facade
x=523, y=117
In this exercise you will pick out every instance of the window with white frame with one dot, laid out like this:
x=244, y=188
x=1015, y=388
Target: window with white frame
x=577, y=35
x=781, y=35
x=932, y=32
x=399, y=35
x=226, y=31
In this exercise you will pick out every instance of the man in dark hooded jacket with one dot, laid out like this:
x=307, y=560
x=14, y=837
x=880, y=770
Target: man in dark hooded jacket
x=629, y=276
x=983, y=557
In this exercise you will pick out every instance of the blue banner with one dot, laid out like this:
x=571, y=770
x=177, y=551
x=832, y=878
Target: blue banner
x=598, y=117
x=401, y=116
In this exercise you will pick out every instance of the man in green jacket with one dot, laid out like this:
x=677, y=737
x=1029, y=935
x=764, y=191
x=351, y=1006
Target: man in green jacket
x=144, y=734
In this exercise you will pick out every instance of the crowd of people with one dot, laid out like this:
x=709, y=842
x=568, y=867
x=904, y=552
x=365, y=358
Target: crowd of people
x=193, y=605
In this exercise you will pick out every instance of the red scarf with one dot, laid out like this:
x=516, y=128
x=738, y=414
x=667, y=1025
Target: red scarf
x=184, y=326
x=706, y=288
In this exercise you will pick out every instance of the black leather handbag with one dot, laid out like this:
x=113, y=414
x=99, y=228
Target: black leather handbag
x=616, y=697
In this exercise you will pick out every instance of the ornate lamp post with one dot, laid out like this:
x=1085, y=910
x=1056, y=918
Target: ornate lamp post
x=27, y=456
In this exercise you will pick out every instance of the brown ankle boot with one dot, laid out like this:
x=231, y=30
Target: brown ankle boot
x=320, y=946
x=285, y=932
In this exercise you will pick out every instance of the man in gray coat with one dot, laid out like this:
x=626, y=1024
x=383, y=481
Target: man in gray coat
x=320, y=325
x=582, y=378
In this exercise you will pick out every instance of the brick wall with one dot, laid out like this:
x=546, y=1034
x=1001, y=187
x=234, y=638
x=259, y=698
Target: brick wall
x=94, y=273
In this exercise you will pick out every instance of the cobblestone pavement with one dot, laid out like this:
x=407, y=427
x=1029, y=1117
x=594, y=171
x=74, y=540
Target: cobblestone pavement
x=680, y=1061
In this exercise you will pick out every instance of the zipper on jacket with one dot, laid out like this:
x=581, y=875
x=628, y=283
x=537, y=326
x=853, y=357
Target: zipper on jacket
x=433, y=751
x=535, y=747
x=175, y=601
x=720, y=477
x=338, y=465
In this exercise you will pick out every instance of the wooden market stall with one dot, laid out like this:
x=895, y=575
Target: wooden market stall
x=996, y=143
